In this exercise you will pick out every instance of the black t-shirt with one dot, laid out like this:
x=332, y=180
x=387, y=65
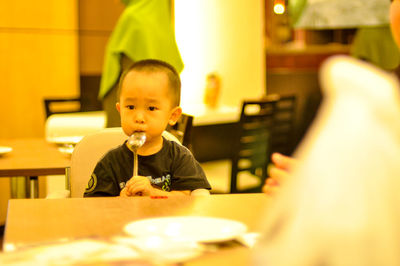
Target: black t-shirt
x=172, y=168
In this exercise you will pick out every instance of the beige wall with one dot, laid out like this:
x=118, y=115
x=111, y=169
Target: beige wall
x=221, y=36
x=38, y=58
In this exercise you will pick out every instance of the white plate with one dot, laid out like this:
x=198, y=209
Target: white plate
x=160, y=249
x=4, y=150
x=195, y=228
x=67, y=150
x=65, y=140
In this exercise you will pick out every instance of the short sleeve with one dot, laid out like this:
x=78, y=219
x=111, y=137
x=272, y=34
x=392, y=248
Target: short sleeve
x=102, y=183
x=187, y=174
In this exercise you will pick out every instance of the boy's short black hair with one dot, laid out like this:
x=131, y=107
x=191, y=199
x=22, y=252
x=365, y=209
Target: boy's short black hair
x=154, y=65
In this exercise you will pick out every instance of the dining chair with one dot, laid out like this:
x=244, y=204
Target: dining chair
x=63, y=126
x=62, y=105
x=283, y=129
x=266, y=125
x=89, y=151
x=86, y=102
x=252, y=148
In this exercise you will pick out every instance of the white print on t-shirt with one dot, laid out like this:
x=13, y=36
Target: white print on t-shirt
x=164, y=182
x=159, y=180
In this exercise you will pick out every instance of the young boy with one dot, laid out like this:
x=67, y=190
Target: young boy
x=149, y=97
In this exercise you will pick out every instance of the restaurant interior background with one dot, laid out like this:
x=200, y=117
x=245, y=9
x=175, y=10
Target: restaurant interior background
x=55, y=48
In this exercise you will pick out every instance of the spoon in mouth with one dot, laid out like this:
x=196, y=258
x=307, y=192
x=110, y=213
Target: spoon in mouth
x=135, y=141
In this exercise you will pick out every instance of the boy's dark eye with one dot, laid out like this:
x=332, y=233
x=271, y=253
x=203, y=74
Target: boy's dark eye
x=152, y=108
x=130, y=107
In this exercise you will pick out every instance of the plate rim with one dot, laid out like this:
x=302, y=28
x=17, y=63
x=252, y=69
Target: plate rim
x=243, y=230
x=65, y=139
x=66, y=150
x=5, y=149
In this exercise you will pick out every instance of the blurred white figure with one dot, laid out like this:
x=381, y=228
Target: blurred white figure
x=342, y=204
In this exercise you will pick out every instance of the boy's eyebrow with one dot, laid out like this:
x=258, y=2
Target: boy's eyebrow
x=130, y=99
x=153, y=100
x=148, y=100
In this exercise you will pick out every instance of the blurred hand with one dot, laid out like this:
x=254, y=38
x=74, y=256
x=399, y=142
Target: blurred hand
x=278, y=173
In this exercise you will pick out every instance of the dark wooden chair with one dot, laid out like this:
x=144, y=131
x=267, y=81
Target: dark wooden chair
x=266, y=125
x=87, y=102
x=182, y=130
x=62, y=105
x=252, y=146
x=283, y=130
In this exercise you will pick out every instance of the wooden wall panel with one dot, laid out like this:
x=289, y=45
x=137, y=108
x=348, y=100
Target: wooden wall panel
x=97, y=19
x=38, y=58
x=91, y=53
x=46, y=14
x=99, y=15
x=34, y=66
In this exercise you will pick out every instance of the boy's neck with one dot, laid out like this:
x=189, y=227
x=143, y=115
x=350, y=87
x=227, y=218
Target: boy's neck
x=151, y=147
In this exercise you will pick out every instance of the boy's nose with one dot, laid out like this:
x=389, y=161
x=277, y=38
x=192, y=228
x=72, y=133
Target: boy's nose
x=139, y=118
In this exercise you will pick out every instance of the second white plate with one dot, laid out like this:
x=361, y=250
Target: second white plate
x=65, y=140
x=196, y=228
x=4, y=150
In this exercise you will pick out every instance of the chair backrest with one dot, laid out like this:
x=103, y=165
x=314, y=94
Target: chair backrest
x=61, y=105
x=283, y=130
x=251, y=149
x=73, y=125
x=183, y=130
x=90, y=150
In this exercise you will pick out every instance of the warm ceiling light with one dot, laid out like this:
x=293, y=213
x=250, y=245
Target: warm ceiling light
x=279, y=8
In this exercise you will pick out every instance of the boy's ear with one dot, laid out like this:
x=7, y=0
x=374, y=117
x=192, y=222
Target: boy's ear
x=118, y=107
x=176, y=113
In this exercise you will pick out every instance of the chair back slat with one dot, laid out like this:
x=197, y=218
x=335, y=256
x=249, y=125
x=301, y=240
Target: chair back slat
x=282, y=135
x=62, y=106
x=266, y=126
x=252, y=142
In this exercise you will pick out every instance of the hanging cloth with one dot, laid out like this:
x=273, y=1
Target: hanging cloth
x=376, y=45
x=144, y=30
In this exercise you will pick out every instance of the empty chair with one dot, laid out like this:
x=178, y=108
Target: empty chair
x=246, y=170
x=71, y=127
x=67, y=123
x=283, y=130
x=61, y=106
x=252, y=145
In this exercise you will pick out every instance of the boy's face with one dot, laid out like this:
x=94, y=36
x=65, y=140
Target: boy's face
x=145, y=104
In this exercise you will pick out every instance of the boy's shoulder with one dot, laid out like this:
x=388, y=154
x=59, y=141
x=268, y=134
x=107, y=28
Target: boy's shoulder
x=174, y=146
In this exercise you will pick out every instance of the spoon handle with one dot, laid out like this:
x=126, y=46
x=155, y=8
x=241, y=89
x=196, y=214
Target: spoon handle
x=135, y=163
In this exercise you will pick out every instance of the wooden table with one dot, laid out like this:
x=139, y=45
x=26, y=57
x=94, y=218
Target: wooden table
x=42, y=220
x=32, y=157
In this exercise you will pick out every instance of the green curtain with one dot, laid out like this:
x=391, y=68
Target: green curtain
x=144, y=30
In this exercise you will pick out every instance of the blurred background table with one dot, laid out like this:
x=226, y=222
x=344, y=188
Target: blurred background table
x=212, y=131
x=32, y=157
x=41, y=220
